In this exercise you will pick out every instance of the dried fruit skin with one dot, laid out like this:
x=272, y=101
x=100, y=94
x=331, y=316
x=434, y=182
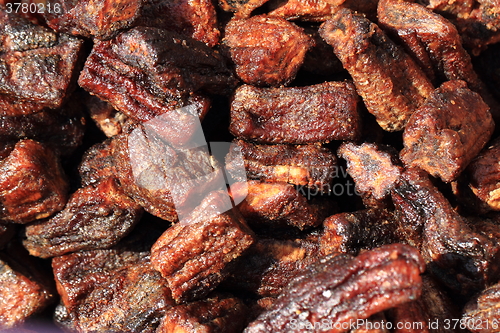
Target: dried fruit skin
x=38, y=69
x=96, y=216
x=447, y=131
x=435, y=42
x=97, y=164
x=101, y=19
x=269, y=265
x=109, y=290
x=318, y=113
x=195, y=19
x=32, y=183
x=341, y=288
x=267, y=51
x=305, y=10
x=212, y=315
x=481, y=313
x=145, y=72
x=276, y=205
x=484, y=174
x=460, y=253
x=391, y=84
x=308, y=165
x=193, y=255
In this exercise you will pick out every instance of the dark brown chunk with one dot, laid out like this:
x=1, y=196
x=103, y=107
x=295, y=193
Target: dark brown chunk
x=193, y=255
x=305, y=10
x=484, y=176
x=269, y=266
x=109, y=290
x=275, y=205
x=305, y=165
x=318, y=113
x=195, y=19
x=101, y=19
x=24, y=288
x=342, y=289
x=267, y=51
x=32, y=183
x=391, y=84
x=212, y=315
x=462, y=254
x=95, y=217
x=434, y=42
x=36, y=64
x=60, y=130
x=352, y=232
x=482, y=313
x=447, y=131
x=97, y=164
x=145, y=72
x=375, y=171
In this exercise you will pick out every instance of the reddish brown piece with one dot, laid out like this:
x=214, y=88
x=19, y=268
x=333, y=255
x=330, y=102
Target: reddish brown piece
x=156, y=175
x=195, y=19
x=60, y=130
x=352, y=232
x=97, y=164
x=109, y=290
x=24, y=290
x=32, y=183
x=38, y=65
x=434, y=42
x=374, y=170
x=101, y=19
x=276, y=205
x=306, y=10
x=95, y=217
x=342, y=289
x=212, y=315
x=193, y=255
x=305, y=165
x=145, y=72
x=269, y=266
x=484, y=176
x=318, y=113
x=242, y=8
x=267, y=51
x=482, y=313
x=447, y=131
x=460, y=253
x=391, y=84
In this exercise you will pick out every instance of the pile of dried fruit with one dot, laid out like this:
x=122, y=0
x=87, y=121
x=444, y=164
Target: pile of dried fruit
x=369, y=200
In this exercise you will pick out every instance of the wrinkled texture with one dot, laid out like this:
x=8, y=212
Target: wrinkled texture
x=267, y=51
x=447, y=131
x=36, y=65
x=484, y=176
x=482, y=312
x=460, y=253
x=341, y=288
x=194, y=255
x=101, y=19
x=112, y=290
x=318, y=113
x=145, y=72
x=276, y=205
x=32, y=183
x=269, y=266
x=97, y=164
x=307, y=165
x=95, y=217
x=195, y=19
x=391, y=84
x=212, y=315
